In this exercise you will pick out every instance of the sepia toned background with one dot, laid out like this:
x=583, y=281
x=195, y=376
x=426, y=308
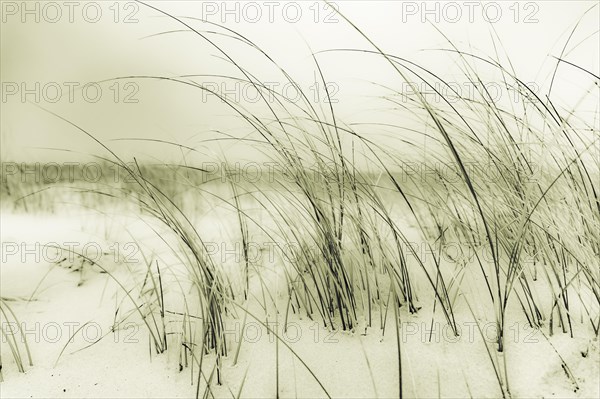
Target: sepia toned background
x=52, y=46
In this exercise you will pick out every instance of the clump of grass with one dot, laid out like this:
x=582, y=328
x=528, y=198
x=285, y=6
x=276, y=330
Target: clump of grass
x=506, y=214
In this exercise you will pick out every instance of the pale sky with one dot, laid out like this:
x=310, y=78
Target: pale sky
x=56, y=53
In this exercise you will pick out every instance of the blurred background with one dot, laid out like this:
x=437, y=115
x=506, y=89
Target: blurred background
x=95, y=64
